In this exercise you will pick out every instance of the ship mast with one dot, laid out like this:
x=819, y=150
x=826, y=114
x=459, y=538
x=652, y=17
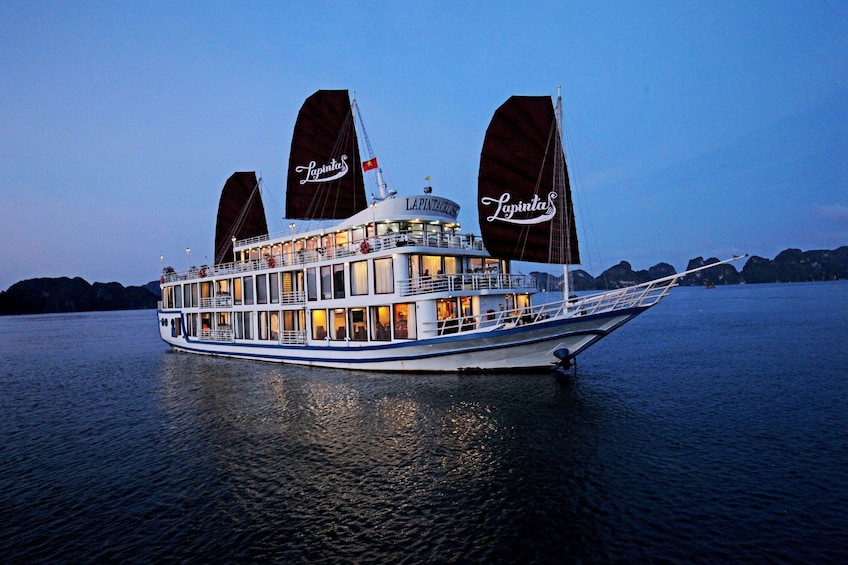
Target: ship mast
x=559, y=172
x=381, y=185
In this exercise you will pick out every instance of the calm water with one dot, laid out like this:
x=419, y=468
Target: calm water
x=712, y=428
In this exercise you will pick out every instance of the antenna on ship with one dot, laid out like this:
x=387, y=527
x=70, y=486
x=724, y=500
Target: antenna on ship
x=371, y=163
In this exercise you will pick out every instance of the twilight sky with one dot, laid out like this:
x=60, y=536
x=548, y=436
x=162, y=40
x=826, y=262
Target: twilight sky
x=693, y=128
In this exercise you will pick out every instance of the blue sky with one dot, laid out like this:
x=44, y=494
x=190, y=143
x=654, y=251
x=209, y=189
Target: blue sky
x=693, y=128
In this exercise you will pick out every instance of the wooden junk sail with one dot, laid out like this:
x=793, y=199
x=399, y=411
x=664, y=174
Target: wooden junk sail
x=241, y=213
x=524, y=198
x=324, y=175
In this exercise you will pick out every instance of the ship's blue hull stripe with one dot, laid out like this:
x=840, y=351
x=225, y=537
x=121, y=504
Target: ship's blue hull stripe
x=628, y=313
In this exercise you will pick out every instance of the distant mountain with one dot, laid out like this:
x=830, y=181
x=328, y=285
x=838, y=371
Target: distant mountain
x=794, y=265
x=722, y=274
x=790, y=265
x=623, y=275
x=47, y=295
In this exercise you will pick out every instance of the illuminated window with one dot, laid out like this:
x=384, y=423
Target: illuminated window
x=359, y=278
x=384, y=278
x=319, y=324
x=381, y=323
x=358, y=325
x=404, y=321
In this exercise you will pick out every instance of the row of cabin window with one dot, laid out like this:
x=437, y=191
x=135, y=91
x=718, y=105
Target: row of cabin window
x=375, y=323
x=416, y=231
x=266, y=287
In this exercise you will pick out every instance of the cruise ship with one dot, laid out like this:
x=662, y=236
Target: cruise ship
x=395, y=283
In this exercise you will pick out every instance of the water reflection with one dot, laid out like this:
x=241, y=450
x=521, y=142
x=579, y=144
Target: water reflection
x=388, y=459
x=329, y=417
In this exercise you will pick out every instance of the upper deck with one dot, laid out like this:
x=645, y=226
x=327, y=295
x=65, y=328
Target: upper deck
x=415, y=223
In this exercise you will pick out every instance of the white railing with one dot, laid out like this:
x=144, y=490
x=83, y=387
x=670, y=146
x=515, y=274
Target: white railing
x=220, y=301
x=639, y=296
x=293, y=297
x=293, y=337
x=226, y=334
x=461, y=282
x=220, y=334
x=305, y=256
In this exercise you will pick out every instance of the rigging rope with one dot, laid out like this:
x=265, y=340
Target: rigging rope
x=237, y=224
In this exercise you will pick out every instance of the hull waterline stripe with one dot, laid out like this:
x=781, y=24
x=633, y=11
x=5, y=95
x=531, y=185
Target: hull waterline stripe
x=627, y=314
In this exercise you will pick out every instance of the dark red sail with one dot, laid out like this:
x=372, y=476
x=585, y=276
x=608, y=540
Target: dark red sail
x=524, y=198
x=324, y=176
x=241, y=214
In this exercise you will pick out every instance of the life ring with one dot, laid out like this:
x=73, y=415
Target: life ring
x=364, y=247
x=202, y=273
x=162, y=279
x=271, y=262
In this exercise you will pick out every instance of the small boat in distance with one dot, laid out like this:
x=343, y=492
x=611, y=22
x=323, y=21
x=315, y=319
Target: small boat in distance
x=397, y=285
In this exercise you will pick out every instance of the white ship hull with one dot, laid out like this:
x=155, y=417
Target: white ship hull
x=518, y=348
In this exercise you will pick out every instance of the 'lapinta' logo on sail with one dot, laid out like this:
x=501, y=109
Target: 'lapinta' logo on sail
x=331, y=171
x=534, y=212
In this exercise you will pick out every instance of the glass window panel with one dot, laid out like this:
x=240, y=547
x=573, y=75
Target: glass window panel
x=289, y=321
x=274, y=325
x=338, y=281
x=311, y=284
x=263, y=325
x=239, y=325
x=237, y=295
x=384, y=280
x=404, y=321
x=432, y=265
x=358, y=325
x=248, y=325
x=339, y=325
x=261, y=289
x=381, y=323
x=319, y=324
x=274, y=287
x=326, y=283
x=248, y=290
x=451, y=265
x=359, y=278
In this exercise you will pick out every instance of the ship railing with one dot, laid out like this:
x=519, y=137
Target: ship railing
x=220, y=334
x=293, y=337
x=637, y=296
x=345, y=250
x=643, y=295
x=253, y=240
x=461, y=282
x=293, y=297
x=487, y=321
x=220, y=301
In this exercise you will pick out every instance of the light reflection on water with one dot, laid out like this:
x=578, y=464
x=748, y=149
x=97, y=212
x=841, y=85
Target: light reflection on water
x=674, y=441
